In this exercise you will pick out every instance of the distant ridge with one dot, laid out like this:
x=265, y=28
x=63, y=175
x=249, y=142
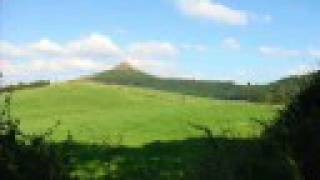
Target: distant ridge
x=279, y=91
x=126, y=74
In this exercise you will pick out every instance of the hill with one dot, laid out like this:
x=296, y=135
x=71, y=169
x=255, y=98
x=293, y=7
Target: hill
x=276, y=92
x=143, y=132
x=124, y=131
x=93, y=111
x=126, y=74
x=284, y=89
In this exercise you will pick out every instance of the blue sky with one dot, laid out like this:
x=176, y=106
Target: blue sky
x=256, y=41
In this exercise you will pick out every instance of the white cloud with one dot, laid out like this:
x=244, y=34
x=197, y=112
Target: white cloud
x=214, y=11
x=9, y=51
x=94, y=46
x=46, y=58
x=53, y=66
x=231, y=43
x=46, y=47
x=144, y=64
x=93, y=53
x=153, y=50
x=53, y=70
x=217, y=12
x=279, y=52
x=62, y=65
x=163, y=68
x=154, y=57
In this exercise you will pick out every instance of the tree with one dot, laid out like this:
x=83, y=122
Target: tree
x=297, y=129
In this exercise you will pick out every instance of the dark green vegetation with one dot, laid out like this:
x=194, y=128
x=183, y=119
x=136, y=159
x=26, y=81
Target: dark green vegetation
x=27, y=156
x=20, y=86
x=191, y=158
x=277, y=92
x=297, y=130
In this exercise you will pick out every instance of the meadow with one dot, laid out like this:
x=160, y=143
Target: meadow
x=120, y=131
x=94, y=113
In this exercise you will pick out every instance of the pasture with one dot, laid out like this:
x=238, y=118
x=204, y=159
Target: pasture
x=94, y=112
x=121, y=131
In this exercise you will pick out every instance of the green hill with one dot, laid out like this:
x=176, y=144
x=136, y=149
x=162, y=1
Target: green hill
x=93, y=112
x=275, y=92
x=122, y=132
x=284, y=89
x=138, y=125
x=125, y=74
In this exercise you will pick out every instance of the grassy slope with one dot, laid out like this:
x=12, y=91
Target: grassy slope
x=276, y=92
x=125, y=74
x=94, y=112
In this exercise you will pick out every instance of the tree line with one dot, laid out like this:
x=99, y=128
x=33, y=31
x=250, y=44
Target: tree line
x=24, y=85
x=278, y=92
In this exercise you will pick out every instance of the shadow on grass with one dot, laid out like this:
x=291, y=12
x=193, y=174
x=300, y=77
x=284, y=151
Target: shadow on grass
x=197, y=158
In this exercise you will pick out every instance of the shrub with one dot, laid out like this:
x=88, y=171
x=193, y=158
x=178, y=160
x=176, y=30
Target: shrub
x=27, y=156
x=297, y=130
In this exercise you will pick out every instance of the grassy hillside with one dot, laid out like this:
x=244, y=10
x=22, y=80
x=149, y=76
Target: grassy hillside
x=276, y=92
x=94, y=112
x=124, y=132
x=125, y=74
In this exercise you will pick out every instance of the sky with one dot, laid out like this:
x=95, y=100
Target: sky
x=240, y=40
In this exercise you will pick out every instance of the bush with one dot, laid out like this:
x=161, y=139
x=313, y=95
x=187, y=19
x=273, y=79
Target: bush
x=297, y=130
x=25, y=156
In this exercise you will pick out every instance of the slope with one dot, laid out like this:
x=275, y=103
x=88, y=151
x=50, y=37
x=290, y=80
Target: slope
x=95, y=112
x=126, y=74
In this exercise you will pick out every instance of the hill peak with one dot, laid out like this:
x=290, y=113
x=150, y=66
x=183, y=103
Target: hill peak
x=124, y=66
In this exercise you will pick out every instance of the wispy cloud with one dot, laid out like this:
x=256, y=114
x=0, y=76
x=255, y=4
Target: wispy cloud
x=10, y=51
x=95, y=52
x=213, y=11
x=217, y=12
x=94, y=46
x=46, y=47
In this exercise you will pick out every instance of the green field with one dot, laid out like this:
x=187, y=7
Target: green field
x=94, y=112
x=142, y=133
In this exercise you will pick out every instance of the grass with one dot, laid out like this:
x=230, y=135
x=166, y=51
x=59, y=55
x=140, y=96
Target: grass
x=152, y=129
x=94, y=112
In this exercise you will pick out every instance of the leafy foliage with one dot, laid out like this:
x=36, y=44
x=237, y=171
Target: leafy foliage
x=25, y=156
x=282, y=91
x=297, y=130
